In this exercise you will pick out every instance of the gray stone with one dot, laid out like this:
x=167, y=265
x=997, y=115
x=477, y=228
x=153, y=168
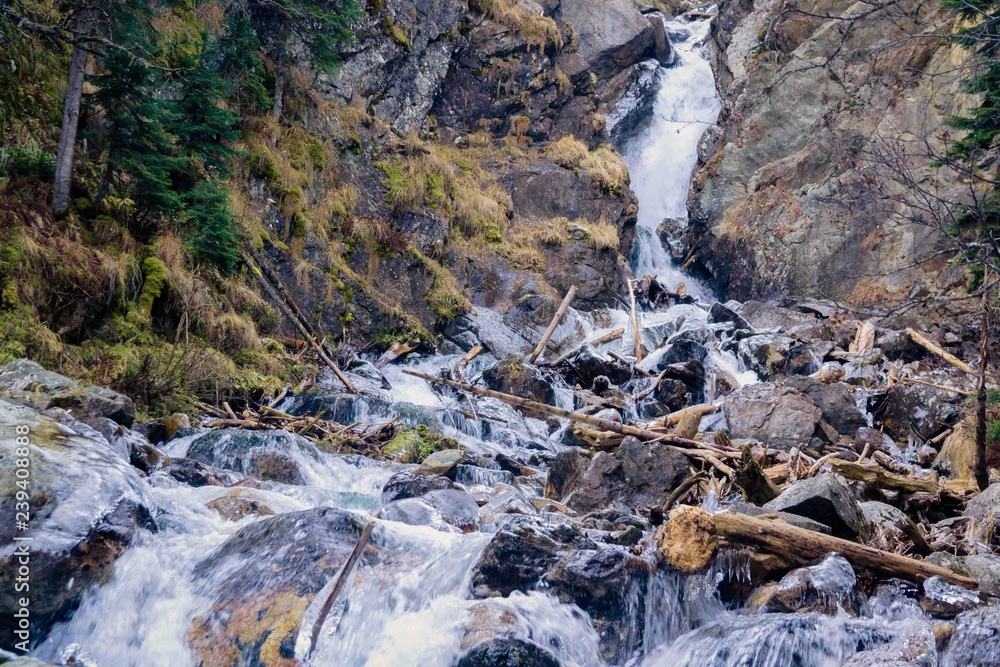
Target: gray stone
x=610, y=34
x=276, y=456
x=893, y=524
x=986, y=505
x=985, y=568
x=441, y=463
x=835, y=401
x=827, y=499
x=777, y=416
x=976, y=641
x=25, y=380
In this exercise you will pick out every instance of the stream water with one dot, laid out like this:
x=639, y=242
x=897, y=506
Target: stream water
x=414, y=605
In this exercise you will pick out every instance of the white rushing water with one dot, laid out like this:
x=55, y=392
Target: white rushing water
x=663, y=154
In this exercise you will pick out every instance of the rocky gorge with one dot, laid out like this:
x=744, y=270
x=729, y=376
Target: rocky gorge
x=521, y=477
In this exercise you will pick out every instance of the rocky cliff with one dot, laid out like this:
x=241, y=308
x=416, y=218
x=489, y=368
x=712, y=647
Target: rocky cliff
x=795, y=194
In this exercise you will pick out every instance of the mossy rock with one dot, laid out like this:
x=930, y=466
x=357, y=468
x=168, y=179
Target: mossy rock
x=413, y=445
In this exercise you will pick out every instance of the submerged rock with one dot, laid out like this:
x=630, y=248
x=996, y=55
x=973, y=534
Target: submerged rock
x=826, y=587
x=827, y=499
x=267, y=455
x=262, y=579
x=976, y=641
x=413, y=485
x=508, y=651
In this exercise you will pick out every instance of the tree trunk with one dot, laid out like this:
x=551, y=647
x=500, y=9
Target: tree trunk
x=982, y=470
x=71, y=119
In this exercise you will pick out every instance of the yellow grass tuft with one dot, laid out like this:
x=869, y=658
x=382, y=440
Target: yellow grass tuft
x=602, y=235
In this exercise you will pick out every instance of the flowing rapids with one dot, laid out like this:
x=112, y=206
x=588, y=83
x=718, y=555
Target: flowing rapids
x=413, y=605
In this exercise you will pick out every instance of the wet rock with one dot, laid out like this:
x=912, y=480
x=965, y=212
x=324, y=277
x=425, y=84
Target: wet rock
x=515, y=560
x=723, y=313
x=638, y=474
x=984, y=568
x=195, y=473
x=777, y=416
x=415, y=512
x=507, y=501
x=174, y=423
x=985, y=507
x=267, y=455
x=513, y=376
x=508, y=651
x=897, y=345
x=413, y=485
x=611, y=34
x=25, y=380
x=565, y=470
x=827, y=499
x=440, y=463
x=916, y=648
x=742, y=507
x=456, y=507
x=925, y=410
x=86, y=506
x=684, y=347
x=262, y=579
x=976, y=641
x=146, y=457
x=770, y=356
x=603, y=584
x=825, y=587
x=943, y=599
x=892, y=526
x=588, y=364
x=834, y=401
x=239, y=504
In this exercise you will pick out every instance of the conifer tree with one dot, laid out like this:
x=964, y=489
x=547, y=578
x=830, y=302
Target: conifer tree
x=213, y=235
x=241, y=64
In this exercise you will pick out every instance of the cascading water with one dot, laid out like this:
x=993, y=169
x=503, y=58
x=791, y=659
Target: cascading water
x=412, y=605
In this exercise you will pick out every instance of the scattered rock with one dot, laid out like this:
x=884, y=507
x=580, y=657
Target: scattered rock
x=240, y=503
x=777, y=416
x=827, y=499
x=976, y=640
x=25, y=380
x=174, y=423
x=413, y=485
x=826, y=587
x=514, y=560
x=508, y=651
x=195, y=473
x=925, y=410
x=943, y=599
x=440, y=463
x=893, y=527
x=267, y=455
x=835, y=402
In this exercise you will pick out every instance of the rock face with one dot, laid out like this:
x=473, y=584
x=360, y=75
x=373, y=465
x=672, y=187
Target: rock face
x=976, y=642
x=787, y=197
x=777, y=416
x=260, y=582
x=638, y=474
x=825, y=498
x=87, y=506
x=611, y=34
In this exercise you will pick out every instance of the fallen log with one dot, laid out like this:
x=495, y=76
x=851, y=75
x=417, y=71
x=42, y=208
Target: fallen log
x=635, y=324
x=942, y=387
x=396, y=351
x=776, y=537
x=553, y=324
x=930, y=346
x=608, y=337
x=603, y=424
x=879, y=476
x=470, y=355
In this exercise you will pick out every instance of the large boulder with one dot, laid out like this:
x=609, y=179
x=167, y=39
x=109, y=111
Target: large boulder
x=508, y=651
x=825, y=587
x=923, y=410
x=413, y=485
x=277, y=456
x=260, y=582
x=769, y=356
x=638, y=474
x=976, y=641
x=827, y=499
x=780, y=417
x=513, y=376
x=834, y=401
x=610, y=34
x=515, y=560
x=86, y=506
x=892, y=527
x=25, y=380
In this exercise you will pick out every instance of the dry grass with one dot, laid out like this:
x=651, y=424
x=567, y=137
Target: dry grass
x=603, y=164
x=444, y=297
x=554, y=232
x=234, y=333
x=602, y=235
x=537, y=29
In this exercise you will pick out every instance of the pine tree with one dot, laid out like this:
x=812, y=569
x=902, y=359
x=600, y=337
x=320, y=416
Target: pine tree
x=213, y=235
x=140, y=156
x=241, y=64
x=321, y=25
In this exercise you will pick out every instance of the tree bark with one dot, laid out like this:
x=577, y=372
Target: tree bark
x=71, y=119
x=563, y=307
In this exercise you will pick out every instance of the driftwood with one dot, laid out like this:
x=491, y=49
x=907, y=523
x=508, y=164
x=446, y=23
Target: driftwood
x=800, y=544
x=635, y=324
x=602, y=424
x=396, y=351
x=930, y=346
x=608, y=337
x=470, y=355
x=563, y=307
x=674, y=418
x=942, y=387
x=877, y=475
x=345, y=575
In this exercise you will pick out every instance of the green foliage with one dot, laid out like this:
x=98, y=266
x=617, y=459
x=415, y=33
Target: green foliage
x=155, y=273
x=415, y=445
x=993, y=433
x=992, y=396
x=139, y=160
x=19, y=161
x=241, y=64
x=322, y=25
x=213, y=235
